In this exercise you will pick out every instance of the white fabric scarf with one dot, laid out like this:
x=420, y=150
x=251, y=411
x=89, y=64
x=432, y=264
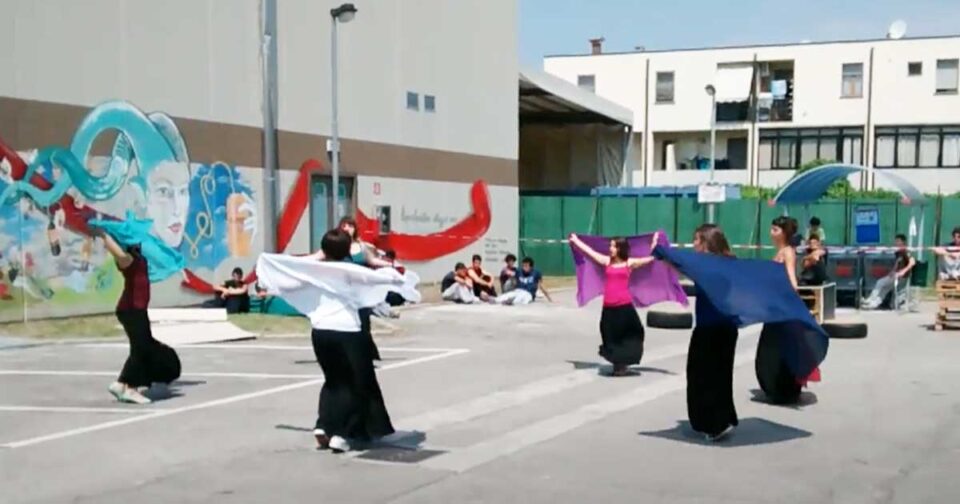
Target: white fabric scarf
x=300, y=280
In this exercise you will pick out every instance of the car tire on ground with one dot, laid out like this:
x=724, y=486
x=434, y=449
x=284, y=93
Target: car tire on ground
x=845, y=329
x=659, y=319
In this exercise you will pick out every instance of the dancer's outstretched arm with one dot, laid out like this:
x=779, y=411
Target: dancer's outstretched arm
x=121, y=256
x=589, y=252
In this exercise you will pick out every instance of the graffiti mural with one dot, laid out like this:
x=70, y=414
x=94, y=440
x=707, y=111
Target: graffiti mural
x=48, y=258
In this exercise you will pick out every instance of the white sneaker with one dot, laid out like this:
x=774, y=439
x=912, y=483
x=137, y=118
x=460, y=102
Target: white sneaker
x=717, y=437
x=132, y=395
x=116, y=389
x=339, y=445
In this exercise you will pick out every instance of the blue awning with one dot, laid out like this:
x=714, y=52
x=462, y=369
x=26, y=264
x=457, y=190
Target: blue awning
x=810, y=186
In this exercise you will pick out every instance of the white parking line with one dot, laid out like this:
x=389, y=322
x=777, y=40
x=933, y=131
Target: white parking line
x=79, y=372
x=234, y=346
x=503, y=399
x=210, y=404
x=71, y=409
x=518, y=439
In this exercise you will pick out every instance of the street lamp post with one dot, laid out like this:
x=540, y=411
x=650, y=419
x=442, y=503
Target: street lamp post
x=711, y=207
x=343, y=14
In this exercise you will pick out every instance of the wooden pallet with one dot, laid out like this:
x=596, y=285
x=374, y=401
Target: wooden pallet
x=948, y=310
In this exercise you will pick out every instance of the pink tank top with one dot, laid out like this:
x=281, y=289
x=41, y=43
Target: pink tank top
x=616, y=291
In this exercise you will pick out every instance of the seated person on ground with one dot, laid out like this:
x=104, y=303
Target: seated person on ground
x=233, y=293
x=508, y=274
x=948, y=265
x=529, y=281
x=813, y=269
x=457, y=286
x=902, y=266
x=482, y=281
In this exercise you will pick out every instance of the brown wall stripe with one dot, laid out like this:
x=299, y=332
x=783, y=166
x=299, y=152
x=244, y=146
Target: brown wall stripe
x=29, y=124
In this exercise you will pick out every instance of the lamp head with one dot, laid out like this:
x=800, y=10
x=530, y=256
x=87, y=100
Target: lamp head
x=710, y=89
x=345, y=13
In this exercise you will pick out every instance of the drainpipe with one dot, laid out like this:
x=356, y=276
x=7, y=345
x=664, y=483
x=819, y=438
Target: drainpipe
x=868, y=131
x=647, y=146
x=268, y=64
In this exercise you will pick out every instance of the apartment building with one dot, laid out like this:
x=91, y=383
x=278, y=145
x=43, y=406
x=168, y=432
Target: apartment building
x=892, y=104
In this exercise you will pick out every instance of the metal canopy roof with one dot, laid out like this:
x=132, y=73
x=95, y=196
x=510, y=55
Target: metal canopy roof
x=548, y=99
x=810, y=186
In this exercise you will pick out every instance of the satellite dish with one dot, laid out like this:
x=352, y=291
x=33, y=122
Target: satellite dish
x=897, y=29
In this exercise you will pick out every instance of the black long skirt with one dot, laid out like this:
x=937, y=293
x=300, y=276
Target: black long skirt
x=150, y=361
x=776, y=380
x=622, y=335
x=367, y=333
x=710, y=378
x=351, y=404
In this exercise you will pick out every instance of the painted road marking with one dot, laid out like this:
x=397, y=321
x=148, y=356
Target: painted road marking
x=210, y=404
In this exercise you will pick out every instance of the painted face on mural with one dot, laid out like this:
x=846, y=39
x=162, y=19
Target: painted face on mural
x=168, y=201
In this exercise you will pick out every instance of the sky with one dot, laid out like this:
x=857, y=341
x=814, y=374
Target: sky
x=564, y=26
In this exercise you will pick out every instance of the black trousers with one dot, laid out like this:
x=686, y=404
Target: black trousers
x=367, y=333
x=351, y=403
x=621, y=334
x=710, y=378
x=150, y=361
x=775, y=378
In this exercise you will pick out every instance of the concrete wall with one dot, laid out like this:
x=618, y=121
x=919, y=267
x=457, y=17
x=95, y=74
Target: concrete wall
x=185, y=75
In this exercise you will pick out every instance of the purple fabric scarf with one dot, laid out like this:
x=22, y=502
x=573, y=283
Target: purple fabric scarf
x=651, y=284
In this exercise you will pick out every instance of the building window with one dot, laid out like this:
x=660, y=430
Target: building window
x=918, y=147
x=788, y=149
x=588, y=82
x=947, y=76
x=429, y=103
x=413, y=101
x=664, y=87
x=914, y=68
x=852, y=80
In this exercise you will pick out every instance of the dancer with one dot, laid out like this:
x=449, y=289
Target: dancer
x=620, y=328
x=736, y=293
x=362, y=253
x=775, y=378
x=710, y=358
x=150, y=363
x=330, y=292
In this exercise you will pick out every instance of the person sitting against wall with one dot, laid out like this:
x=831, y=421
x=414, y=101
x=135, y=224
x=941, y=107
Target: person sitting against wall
x=948, y=266
x=483, y=286
x=233, y=293
x=508, y=275
x=457, y=286
x=903, y=264
x=813, y=266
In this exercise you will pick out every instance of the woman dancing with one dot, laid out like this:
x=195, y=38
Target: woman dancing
x=710, y=358
x=621, y=331
x=362, y=253
x=151, y=363
x=330, y=292
x=774, y=375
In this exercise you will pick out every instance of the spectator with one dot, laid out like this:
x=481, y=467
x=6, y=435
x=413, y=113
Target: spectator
x=814, y=264
x=457, y=286
x=949, y=254
x=482, y=281
x=394, y=298
x=233, y=293
x=508, y=274
x=902, y=266
x=529, y=281
x=816, y=230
